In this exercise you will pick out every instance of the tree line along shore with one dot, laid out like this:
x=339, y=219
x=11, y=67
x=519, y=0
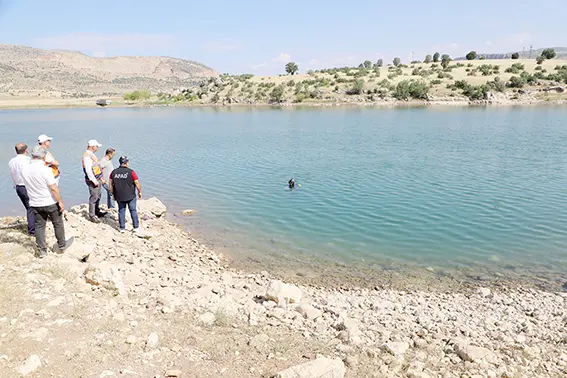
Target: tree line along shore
x=436, y=79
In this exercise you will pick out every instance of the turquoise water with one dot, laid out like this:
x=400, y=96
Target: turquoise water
x=427, y=186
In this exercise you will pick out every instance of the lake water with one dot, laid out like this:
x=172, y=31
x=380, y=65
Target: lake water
x=441, y=187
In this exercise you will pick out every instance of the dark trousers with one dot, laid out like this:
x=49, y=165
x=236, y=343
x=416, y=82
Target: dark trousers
x=42, y=214
x=133, y=213
x=94, y=199
x=23, y=194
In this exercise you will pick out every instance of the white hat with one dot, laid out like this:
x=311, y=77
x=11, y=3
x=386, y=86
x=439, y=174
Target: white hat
x=94, y=143
x=43, y=138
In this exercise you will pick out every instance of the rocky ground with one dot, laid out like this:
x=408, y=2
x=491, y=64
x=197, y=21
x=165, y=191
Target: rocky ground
x=164, y=305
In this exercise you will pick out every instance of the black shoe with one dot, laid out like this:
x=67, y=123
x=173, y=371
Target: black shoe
x=68, y=243
x=94, y=219
x=101, y=214
x=42, y=254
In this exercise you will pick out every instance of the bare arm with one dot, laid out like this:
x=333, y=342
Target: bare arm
x=110, y=186
x=55, y=191
x=139, y=187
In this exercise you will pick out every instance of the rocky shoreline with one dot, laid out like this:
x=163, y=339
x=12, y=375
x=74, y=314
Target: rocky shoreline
x=164, y=305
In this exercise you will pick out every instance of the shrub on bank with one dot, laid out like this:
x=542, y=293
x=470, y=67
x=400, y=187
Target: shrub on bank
x=137, y=95
x=407, y=89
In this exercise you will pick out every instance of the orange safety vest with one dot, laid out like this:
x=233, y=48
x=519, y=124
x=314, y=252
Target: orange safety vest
x=54, y=169
x=96, y=166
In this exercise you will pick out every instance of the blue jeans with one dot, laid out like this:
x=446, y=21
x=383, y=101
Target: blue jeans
x=122, y=213
x=109, y=200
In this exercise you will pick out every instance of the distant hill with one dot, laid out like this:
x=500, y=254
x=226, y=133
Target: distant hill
x=27, y=69
x=561, y=53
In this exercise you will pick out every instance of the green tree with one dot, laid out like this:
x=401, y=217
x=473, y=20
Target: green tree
x=445, y=60
x=436, y=57
x=367, y=64
x=471, y=55
x=357, y=87
x=137, y=95
x=428, y=59
x=540, y=59
x=515, y=56
x=407, y=89
x=396, y=61
x=291, y=68
x=379, y=63
x=548, y=53
x=277, y=94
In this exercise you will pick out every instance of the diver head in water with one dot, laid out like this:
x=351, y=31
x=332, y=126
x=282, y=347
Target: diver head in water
x=291, y=183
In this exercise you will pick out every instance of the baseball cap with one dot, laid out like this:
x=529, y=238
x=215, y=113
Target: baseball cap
x=94, y=143
x=38, y=152
x=123, y=159
x=43, y=138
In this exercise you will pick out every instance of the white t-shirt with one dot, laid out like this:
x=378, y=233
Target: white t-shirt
x=16, y=165
x=37, y=178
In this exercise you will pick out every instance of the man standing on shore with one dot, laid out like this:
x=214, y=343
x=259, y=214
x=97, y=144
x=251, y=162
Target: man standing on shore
x=45, y=201
x=93, y=179
x=45, y=142
x=107, y=168
x=123, y=184
x=16, y=165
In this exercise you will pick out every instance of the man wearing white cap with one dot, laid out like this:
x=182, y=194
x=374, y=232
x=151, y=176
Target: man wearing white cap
x=45, y=201
x=45, y=142
x=93, y=179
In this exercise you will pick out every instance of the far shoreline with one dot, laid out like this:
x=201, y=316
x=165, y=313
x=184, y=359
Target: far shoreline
x=319, y=104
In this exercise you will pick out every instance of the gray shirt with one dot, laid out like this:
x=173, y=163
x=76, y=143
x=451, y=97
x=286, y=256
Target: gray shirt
x=107, y=168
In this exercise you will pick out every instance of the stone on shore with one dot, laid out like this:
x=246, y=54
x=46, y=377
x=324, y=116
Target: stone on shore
x=470, y=353
x=188, y=212
x=396, y=348
x=309, y=312
x=107, y=276
x=319, y=368
x=30, y=365
x=282, y=293
x=152, y=206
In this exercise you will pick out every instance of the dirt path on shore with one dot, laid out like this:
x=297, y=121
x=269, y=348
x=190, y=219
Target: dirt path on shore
x=164, y=305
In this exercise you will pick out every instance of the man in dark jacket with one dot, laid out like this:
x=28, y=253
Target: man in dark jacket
x=123, y=184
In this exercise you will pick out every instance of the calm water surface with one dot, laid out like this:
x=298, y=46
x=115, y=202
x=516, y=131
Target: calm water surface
x=432, y=187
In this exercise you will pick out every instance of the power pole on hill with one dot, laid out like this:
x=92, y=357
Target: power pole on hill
x=531, y=49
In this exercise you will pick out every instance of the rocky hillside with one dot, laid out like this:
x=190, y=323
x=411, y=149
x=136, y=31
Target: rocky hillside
x=160, y=304
x=26, y=69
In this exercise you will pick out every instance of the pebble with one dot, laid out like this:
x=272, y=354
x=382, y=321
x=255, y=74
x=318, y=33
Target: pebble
x=131, y=339
x=30, y=365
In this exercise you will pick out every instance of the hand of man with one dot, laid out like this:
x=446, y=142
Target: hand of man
x=139, y=195
x=103, y=181
x=61, y=206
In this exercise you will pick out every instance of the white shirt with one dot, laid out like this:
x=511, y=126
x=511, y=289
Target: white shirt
x=107, y=168
x=88, y=163
x=37, y=178
x=16, y=165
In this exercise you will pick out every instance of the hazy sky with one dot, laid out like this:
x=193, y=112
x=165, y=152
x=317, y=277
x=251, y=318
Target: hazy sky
x=260, y=36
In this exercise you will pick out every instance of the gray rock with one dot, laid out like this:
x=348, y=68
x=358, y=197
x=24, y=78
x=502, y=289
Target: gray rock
x=319, y=368
x=131, y=339
x=309, y=312
x=259, y=341
x=396, y=348
x=30, y=365
x=152, y=206
x=152, y=341
x=280, y=292
x=471, y=353
x=173, y=373
x=207, y=318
